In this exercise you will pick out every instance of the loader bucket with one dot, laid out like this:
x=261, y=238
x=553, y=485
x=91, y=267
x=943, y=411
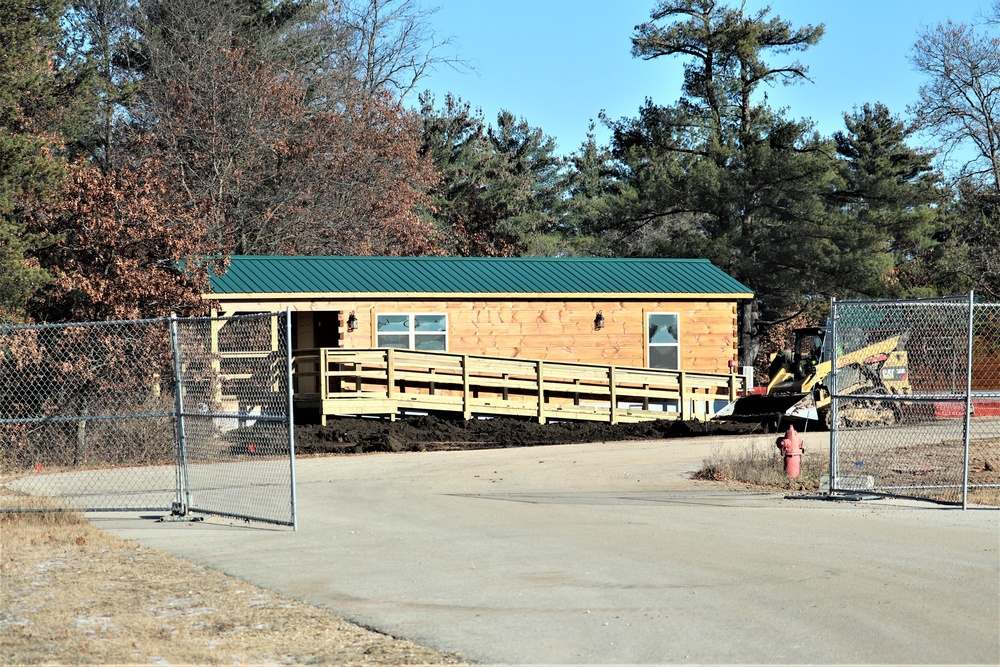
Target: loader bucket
x=771, y=409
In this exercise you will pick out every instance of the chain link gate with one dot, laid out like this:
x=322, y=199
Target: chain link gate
x=235, y=429
x=115, y=416
x=913, y=417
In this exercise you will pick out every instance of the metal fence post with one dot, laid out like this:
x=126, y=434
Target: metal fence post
x=832, y=388
x=183, y=487
x=291, y=414
x=968, y=405
x=466, y=390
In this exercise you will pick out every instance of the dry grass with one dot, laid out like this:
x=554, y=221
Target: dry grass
x=989, y=497
x=72, y=594
x=761, y=467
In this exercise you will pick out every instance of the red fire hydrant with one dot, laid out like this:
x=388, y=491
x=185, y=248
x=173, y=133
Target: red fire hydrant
x=791, y=451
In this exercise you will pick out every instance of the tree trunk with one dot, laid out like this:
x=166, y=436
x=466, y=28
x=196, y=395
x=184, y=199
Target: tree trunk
x=749, y=337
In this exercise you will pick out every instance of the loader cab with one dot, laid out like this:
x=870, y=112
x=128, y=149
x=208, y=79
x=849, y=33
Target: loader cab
x=794, y=370
x=809, y=350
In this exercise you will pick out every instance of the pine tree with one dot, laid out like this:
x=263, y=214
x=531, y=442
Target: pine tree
x=41, y=107
x=500, y=187
x=889, y=200
x=720, y=174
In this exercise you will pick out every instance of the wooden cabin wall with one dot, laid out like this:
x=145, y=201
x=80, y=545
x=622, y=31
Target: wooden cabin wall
x=553, y=330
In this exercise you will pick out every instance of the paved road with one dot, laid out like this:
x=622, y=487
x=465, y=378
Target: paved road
x=608, y=554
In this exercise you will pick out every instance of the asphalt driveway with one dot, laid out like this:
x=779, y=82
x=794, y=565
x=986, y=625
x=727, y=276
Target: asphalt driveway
x=608, y=553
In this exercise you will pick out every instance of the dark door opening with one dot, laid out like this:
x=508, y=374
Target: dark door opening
x=315, y=329
x=326, y=328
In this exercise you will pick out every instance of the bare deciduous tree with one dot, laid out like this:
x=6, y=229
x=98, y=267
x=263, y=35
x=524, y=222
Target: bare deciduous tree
x=392, y=44
x=960, y=102
x=289, y=155
x=99, y=32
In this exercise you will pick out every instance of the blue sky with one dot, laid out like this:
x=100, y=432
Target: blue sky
x=558, y=63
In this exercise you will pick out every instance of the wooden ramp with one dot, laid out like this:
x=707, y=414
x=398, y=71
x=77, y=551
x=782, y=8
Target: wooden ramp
x=388, y=382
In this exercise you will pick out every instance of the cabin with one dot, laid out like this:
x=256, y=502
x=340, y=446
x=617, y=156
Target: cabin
x=592, y=318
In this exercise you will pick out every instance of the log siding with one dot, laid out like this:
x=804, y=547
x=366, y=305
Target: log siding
x=553, y=329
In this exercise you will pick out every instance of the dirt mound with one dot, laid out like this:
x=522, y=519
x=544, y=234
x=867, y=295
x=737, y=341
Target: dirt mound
x=430, y=433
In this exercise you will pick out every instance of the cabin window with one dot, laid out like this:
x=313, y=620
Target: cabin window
x=664, y=340
x=412, y=332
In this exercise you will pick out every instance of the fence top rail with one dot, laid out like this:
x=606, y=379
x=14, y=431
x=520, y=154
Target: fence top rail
x=78, y=325
x=961, y=300
x=944, y=397
x=149, y=320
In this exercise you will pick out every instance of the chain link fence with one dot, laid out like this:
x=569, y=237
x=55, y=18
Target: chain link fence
x=181, y=415
x=234, y=426
x=916, y=399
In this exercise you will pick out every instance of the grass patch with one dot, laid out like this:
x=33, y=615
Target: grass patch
x=989, y=497
x=761, y=467
x=73, y=594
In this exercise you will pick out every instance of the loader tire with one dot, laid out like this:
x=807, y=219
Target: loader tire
x=894, y=414
x=826, y=419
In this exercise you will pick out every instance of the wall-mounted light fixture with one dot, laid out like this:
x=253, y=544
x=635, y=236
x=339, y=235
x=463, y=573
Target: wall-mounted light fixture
x=352, y=322
x=599, y=321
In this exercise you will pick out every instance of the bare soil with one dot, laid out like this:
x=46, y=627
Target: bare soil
x=430, y=433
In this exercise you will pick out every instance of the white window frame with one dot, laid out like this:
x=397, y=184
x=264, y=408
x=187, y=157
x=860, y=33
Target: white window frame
x=650, y=344
x=411, y=333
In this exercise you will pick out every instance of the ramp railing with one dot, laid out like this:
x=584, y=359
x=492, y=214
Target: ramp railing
x=386, y=381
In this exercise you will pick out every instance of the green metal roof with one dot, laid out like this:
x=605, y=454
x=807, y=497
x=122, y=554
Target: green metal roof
x=248, y=274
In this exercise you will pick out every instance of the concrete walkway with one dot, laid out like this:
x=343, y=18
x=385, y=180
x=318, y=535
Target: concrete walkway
x=609, y=554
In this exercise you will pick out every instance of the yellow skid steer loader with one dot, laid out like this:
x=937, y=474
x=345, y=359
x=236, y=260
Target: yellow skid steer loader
x=798, y=391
